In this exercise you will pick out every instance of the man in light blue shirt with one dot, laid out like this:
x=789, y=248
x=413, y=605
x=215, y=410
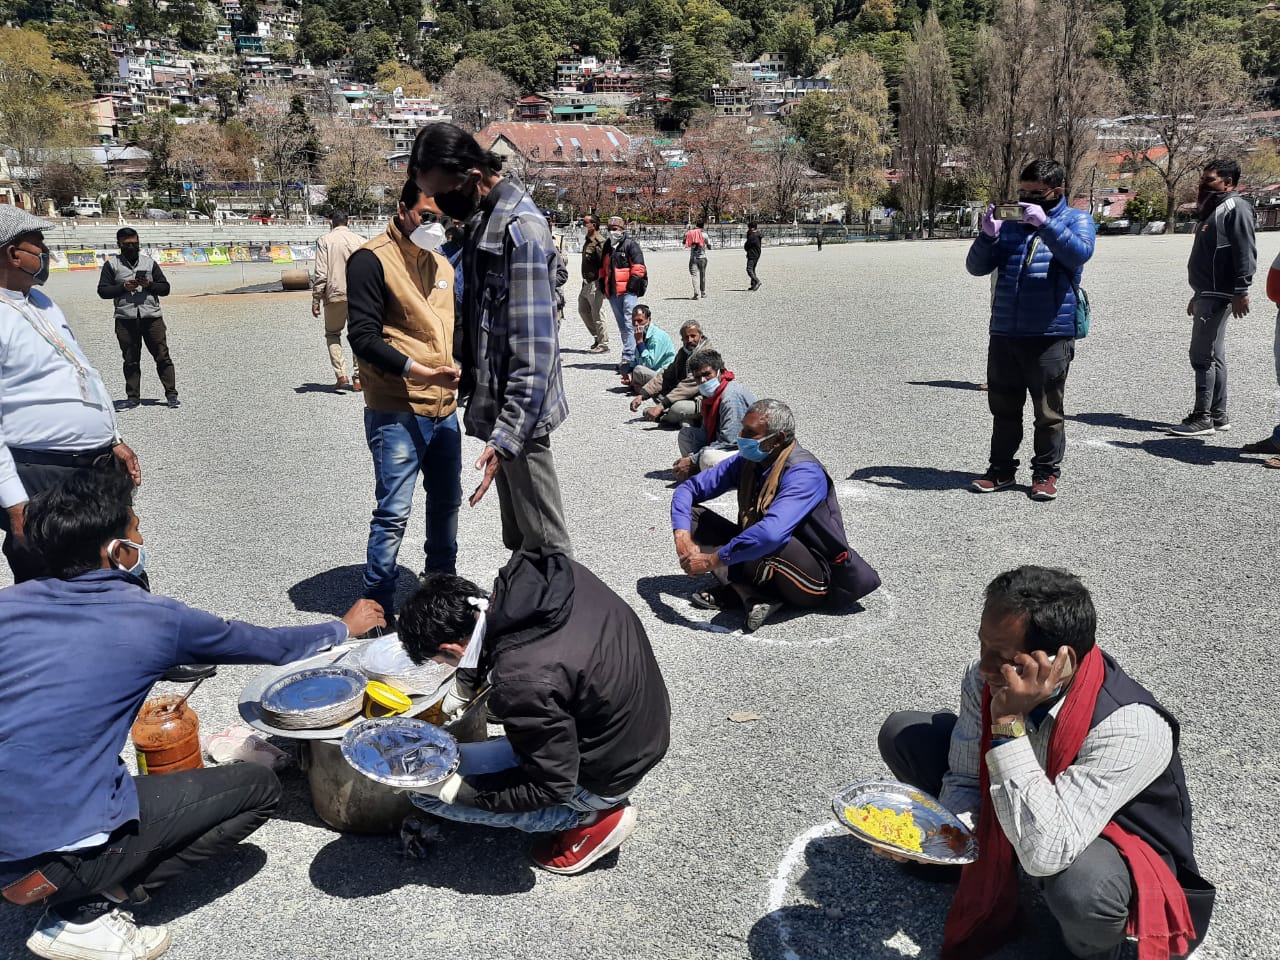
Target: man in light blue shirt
x=56, y=415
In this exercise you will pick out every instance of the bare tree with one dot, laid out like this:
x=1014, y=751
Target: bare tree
x=589, y=187
x=927, y=117
x=1192, y=108
x=285, y=143
x=200, y=151
x=721, y=166
x=477, y=94
x=1005, y=78
x=650, y=178
x=784, y=173
x=354, y=166
x=1076, y=91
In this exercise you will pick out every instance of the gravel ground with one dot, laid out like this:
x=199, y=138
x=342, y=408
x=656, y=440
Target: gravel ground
x=256, y=502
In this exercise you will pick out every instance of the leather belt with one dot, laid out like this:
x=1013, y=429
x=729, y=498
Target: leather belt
x=55, y=458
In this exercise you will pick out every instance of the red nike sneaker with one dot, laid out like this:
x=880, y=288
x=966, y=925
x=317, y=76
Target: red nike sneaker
x=575, y=850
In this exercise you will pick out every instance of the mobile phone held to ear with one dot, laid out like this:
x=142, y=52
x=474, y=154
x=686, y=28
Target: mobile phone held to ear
x=1008, y=211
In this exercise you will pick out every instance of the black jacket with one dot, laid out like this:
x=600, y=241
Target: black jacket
x=575, y=683
x=752, y=246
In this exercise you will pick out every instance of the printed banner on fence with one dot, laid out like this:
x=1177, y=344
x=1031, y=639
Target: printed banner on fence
x=82, y=260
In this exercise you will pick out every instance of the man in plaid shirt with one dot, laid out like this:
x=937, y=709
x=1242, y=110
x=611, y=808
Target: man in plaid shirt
x=507, y=343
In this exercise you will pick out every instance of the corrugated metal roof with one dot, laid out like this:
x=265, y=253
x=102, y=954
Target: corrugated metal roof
x=547, y=138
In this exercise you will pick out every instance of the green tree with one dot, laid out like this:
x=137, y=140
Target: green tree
x=191, y=23
x=227, y=90
x=435, y=58
x=74, y=44
x=811, y=121
x=155, y=133
x=927, y=118
x=36, y=97
x=527, y=56
x=369, y=50
x=321, y=39
x=876, y=16
x=249, y=15
x=795, y=37
x=393, y=74
x=860, y=127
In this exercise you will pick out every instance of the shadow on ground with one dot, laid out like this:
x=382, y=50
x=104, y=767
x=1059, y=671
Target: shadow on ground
x=948, y=384
x=318, y=388
x=271, y=286
x=914, y=478
x=657, y=590
x=469, y=859
x=334, y=591
x=1185, y=450
x=1118, y=420
x=861, y=906
x=204, y=885
x=591, y=366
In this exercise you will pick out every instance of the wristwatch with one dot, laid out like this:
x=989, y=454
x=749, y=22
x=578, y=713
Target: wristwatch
x=1009, y=730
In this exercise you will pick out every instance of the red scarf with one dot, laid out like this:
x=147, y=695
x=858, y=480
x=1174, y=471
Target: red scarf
x=985, y=903
x=711, y=408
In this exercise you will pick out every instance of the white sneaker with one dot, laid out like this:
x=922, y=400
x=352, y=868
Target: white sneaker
x=113, y=936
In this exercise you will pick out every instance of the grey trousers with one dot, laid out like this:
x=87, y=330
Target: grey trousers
x=529, y=500
x=698, y=274
x=682, y=412
x=640, y=376
x=1209, y=355
x=1090, y=899
x=590, y=302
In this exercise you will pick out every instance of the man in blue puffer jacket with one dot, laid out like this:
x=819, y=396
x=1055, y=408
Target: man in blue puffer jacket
x=1033, y=323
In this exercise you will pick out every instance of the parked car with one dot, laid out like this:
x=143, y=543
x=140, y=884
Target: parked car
x=263, y=218
x=1118, y=225
x=82, y=208
x=154, y=213
x=196, y=215
x=232, y=215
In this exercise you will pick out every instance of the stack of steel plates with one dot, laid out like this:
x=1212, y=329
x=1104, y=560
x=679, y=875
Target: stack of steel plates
x=401, y=752
x=314, y=698
x=385, y=659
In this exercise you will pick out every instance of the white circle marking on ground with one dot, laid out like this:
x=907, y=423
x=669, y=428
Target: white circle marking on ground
x=777, y=890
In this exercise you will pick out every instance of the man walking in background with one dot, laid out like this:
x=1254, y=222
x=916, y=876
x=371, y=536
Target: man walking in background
x=1220, y=270
x=752, y=246
x=696, y=241
x=591, y=296
x=135, y=282
x=329, y=292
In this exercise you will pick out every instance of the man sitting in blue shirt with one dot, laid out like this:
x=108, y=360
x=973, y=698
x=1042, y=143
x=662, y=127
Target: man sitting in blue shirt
x=788, y=546
x=80, y=651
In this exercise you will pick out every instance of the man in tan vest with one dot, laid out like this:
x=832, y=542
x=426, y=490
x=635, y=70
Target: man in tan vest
x=400, y=300
x=330, y=291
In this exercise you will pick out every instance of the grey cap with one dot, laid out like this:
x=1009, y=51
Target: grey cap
x=14, y=222
x=617, y=222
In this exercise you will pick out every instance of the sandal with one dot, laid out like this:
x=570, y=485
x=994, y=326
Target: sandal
x=1272, y=463
x=717, y=598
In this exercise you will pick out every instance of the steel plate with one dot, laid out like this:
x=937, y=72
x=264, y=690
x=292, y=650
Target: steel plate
x=926, y=812
x=400, y=751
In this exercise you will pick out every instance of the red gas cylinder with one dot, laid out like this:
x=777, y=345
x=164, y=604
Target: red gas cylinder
x=166, y=736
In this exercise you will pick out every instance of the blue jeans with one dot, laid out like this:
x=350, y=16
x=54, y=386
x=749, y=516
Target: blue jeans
x=492, y=756
x=622, y=306
x=404, y=444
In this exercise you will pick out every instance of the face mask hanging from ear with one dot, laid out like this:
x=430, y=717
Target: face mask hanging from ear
x=140, y=565
x=471, y=656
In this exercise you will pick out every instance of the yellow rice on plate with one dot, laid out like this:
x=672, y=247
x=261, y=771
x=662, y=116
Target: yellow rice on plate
x=887, y=825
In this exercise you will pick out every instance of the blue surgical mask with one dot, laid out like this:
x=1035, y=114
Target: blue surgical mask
x=749, y=448
x=140, y=565
x=708, y=388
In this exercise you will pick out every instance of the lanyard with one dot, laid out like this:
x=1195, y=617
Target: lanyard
x=41, y=325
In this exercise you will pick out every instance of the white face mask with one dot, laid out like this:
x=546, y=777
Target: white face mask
x=615, y=235
x=428, y=236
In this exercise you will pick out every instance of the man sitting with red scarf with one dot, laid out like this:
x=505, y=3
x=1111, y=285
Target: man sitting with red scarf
x=724, y=403
x=1080, y=766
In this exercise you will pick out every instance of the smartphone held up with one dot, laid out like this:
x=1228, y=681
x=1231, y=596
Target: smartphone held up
x=1007, y=211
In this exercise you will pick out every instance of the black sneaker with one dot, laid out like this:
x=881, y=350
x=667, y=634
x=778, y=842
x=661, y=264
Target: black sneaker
x=1221, y=424
x=172, y=400
x=127, y=404
x=1195, y=425
x=1267, y=446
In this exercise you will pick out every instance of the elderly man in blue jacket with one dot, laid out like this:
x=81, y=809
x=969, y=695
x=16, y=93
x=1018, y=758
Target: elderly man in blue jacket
x=79, y=651
x=1040, y=259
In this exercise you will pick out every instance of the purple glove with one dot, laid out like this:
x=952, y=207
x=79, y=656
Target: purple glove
x=1033, y=215
x=990, y=225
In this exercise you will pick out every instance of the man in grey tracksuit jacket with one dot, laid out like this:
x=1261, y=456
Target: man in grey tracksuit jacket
x=136, y=283
x=1220, y=270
